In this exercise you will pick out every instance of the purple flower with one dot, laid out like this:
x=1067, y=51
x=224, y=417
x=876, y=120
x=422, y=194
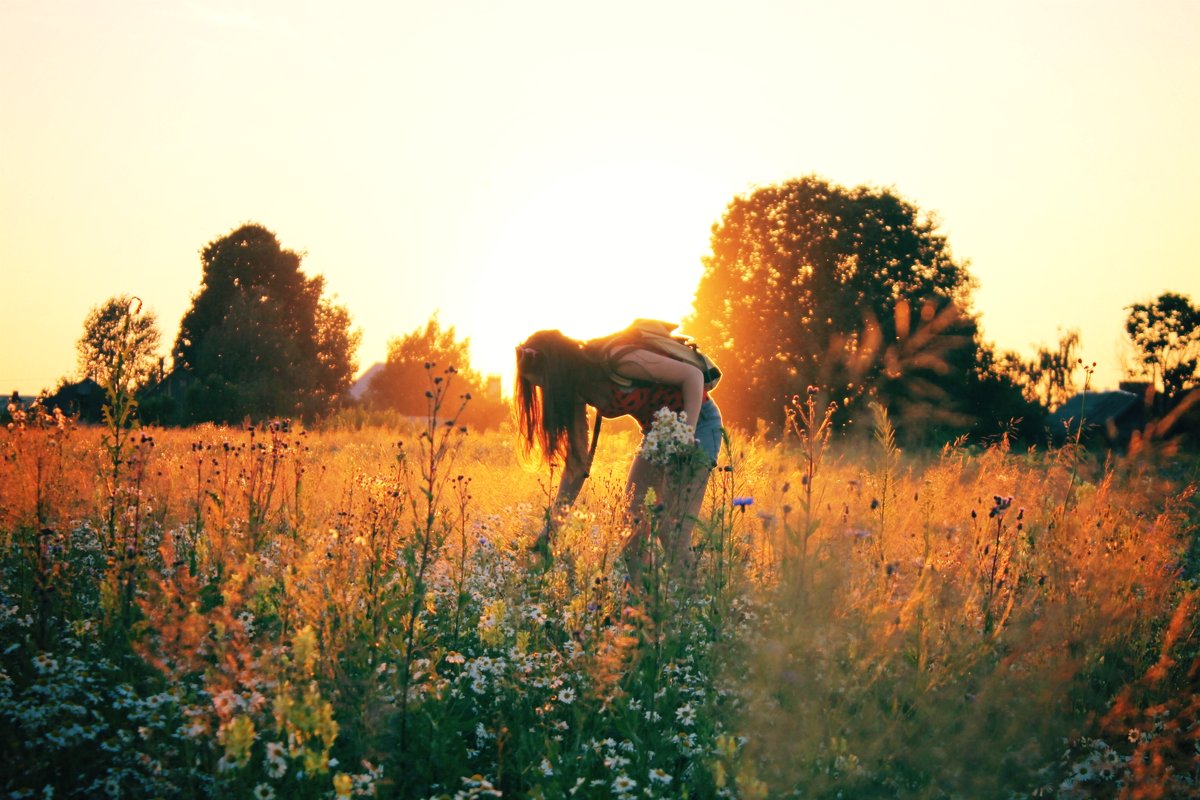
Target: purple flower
x=742, y=502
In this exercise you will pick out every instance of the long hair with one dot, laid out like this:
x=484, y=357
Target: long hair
x=550, y=369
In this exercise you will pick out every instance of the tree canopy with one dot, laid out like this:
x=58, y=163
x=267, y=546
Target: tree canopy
x=119, y=344
x=260, y=337
x=1166, y=338
x=425, y=354
x=1049, y=378
x=851, y=291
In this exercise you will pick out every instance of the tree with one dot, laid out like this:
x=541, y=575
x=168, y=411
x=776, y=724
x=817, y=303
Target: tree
x=1047, y=379
x=119, y=344
x=1166, y=337
x=260, y=338
x=424, y=354
x=850, y=290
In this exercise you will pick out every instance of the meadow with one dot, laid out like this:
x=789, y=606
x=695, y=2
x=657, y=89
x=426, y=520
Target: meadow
x=267, y=611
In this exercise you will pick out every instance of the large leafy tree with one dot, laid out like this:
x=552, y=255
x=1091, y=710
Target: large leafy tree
x=1166, y=337
x=424, y=355
x=260, y=337
x=853, y=291
x=119, y=345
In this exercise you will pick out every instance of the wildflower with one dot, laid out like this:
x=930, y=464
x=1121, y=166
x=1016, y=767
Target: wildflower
x=670, y=440
x=1001, y=504
x=264, y=791
x=342, y=784
x=686, y=714
x=566, y=695
x=192, y=731
x=276, y=763
x=546, y=768
x=624, y=784
x=659, y=775
x=742, y=502
x=45, y=664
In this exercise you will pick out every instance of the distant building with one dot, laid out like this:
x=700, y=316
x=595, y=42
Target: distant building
x=165, y=401
x=21, y=401
x=1112, y=415
x=83, y=400
x=358, y=389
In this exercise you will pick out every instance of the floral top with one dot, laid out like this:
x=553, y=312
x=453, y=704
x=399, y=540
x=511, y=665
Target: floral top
x=642, y=401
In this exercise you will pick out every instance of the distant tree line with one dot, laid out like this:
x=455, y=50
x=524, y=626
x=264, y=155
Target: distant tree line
x=260, y=341
x=851, y=293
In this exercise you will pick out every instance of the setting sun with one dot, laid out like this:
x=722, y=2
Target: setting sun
x=587, y=250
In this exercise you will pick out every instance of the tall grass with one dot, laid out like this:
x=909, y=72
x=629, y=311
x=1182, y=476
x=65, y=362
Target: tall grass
x=356, y=613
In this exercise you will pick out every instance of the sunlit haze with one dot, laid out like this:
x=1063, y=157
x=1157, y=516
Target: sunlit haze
x=522, y=165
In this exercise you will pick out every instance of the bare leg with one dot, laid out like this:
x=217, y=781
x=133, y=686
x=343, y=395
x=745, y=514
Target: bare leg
x=686, y=507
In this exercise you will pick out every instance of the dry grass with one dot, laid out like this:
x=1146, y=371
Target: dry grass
x=227, y=610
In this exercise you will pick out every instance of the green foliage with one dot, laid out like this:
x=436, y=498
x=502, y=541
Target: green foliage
x=1166, y=337
x=850, y=290
x=260, y=338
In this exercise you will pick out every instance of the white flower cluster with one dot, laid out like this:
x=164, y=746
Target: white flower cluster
x=669, y=439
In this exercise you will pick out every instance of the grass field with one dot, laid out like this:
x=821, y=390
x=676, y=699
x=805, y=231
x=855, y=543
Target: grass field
x=273, y=612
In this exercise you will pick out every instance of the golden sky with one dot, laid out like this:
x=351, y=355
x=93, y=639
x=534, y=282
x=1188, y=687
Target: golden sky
x=520, y=165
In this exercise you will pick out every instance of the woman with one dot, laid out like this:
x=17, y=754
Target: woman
x=559, y=377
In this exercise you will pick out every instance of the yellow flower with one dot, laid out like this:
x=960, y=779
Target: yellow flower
x=239, y=737
x=490, y=624
x=342, y=784
x=304, y=649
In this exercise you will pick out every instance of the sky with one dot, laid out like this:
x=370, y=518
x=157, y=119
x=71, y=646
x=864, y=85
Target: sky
x=512, y=166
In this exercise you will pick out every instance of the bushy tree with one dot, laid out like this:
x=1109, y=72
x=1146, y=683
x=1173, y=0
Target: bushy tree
x=424, y=354
x=1166, y=338
x=119, y=344
x=1049, y=378
x=260, y=337
x=853, y=291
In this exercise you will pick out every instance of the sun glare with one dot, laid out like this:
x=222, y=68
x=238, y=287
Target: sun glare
x=587, y=252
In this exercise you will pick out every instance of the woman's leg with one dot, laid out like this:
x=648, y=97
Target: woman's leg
x=691, y=488
x=686, y=508
x=643, y=475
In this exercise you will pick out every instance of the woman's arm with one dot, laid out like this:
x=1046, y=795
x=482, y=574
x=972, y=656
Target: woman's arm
x=647, y=366
x=575, y=471
x=578, y=465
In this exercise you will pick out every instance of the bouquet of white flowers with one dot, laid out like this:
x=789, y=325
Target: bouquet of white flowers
x=670, y=442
